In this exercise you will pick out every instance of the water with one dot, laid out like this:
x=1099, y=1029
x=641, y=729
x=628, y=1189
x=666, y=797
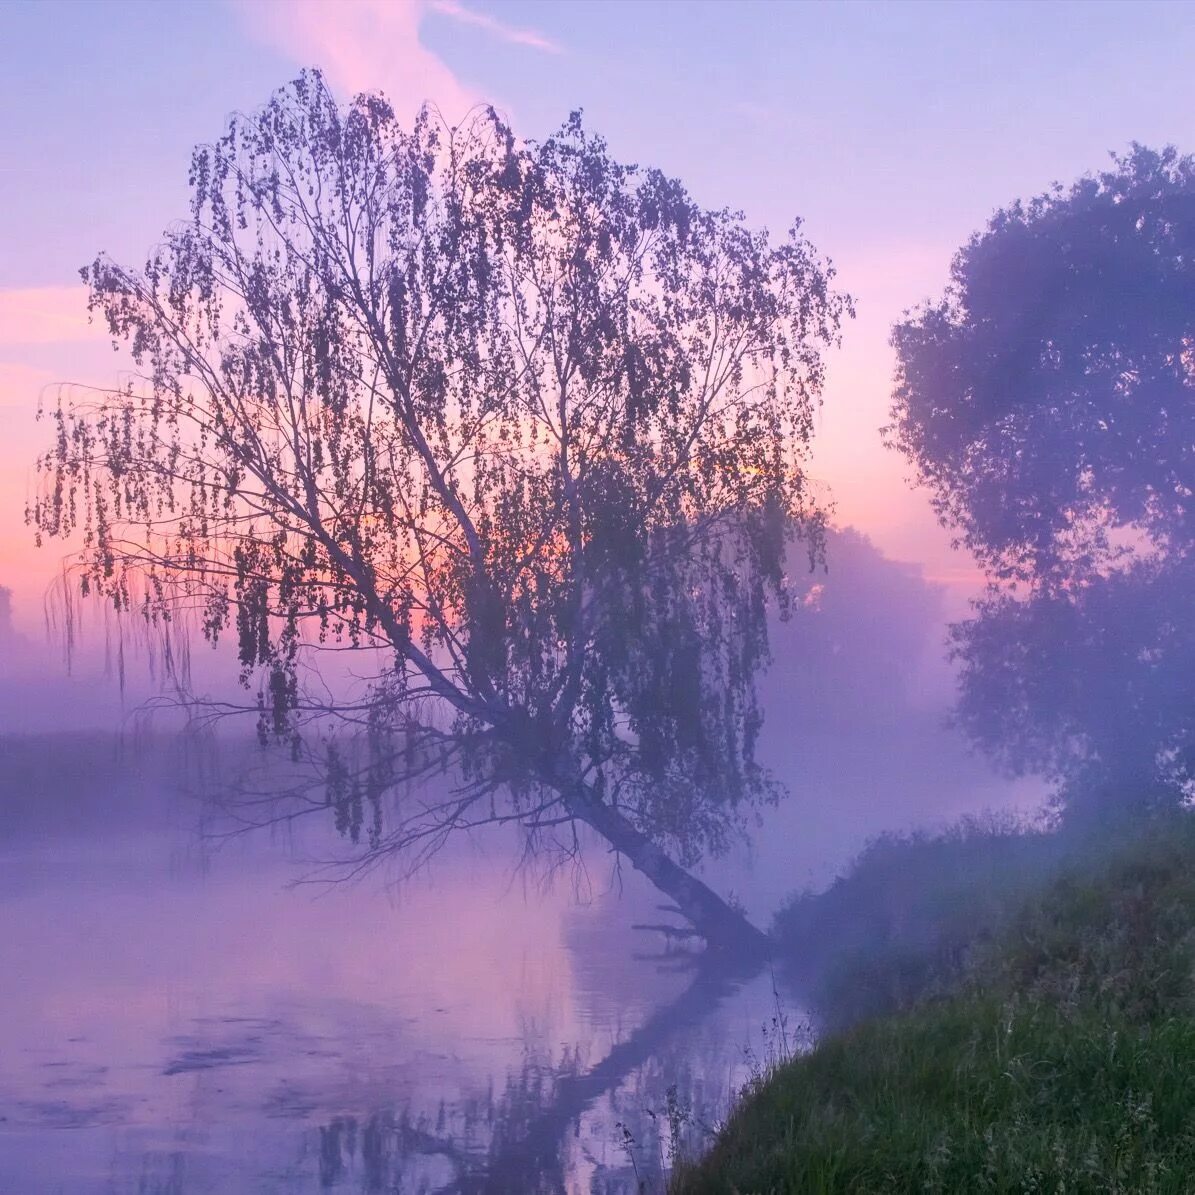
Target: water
x=173, y=1021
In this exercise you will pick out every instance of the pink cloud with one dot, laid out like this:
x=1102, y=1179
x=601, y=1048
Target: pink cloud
x=46, y=315
x=480, y=20
x=20, y=384
x=363, y=45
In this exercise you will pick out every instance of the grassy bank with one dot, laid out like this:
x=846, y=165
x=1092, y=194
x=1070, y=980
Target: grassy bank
x=1054, y=1053
x=906, y=915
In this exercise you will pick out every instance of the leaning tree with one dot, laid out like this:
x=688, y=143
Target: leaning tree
x=518, y=427
x=1048, y=401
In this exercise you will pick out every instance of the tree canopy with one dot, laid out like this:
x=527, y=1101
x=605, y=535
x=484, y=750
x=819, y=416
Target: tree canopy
x=1048, y=401
x=526, y=423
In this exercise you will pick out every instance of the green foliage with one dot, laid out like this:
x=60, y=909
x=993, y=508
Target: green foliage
x=1047, y=401
x=1092, y=687
x=1064, y=1060
x=904, y=917
x=1046, y=398
x=973, y=1097
x=522, y=426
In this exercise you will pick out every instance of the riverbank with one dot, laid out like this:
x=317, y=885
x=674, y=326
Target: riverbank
x=1052, y=1050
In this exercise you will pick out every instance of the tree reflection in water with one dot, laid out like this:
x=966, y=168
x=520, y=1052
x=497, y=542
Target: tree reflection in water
x=664, y=1081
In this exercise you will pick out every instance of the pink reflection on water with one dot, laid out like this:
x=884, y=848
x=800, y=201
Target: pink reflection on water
x=203, y=1015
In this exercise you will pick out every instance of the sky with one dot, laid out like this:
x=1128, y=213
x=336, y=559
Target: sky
x=893, y=130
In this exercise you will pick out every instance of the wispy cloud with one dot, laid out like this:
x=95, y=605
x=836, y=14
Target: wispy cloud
x=374, y=45
x=46, y=315
x=20, y=384
x=362, y=45
x=504, y=32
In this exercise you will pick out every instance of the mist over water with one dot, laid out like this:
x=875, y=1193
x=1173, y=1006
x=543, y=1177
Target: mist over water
x=180, y=1016
x=177, y=1020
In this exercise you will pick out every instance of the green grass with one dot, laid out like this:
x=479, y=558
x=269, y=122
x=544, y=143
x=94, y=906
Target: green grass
x=1062, y=1060
x=910, y=910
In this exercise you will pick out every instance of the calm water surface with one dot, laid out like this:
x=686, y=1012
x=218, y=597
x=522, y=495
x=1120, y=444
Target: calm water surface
x=174, y=1021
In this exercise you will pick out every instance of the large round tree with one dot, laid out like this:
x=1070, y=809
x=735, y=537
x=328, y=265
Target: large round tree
x=1048, y=401
x=520, y=426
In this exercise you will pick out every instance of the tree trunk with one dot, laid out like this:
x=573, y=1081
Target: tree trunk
x=724, y=929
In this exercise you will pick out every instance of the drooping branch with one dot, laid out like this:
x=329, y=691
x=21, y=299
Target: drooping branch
x=527, y=423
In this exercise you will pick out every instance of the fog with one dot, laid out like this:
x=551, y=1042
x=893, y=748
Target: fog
x=857, y=701
x=506, y=653
x=46, y=687
x=121, y=881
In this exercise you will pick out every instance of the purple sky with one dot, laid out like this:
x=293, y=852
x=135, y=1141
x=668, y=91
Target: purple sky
x=893, y=129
